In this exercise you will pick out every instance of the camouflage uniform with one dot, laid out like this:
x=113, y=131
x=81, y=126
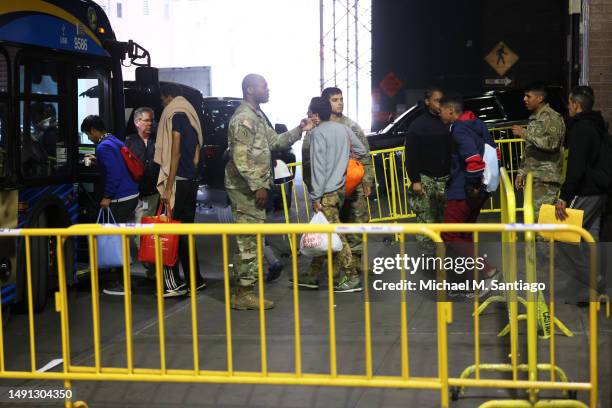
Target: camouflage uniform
x=331, y=204
x=543, y=155
x=356, y=207
x=250, y=142
x=429, y=208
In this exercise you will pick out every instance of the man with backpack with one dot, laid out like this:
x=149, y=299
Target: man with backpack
x=120, y=190
x=472, y=175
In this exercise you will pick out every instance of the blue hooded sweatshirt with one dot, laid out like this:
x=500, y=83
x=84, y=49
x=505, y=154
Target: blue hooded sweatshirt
x=118, y=182
x=468, y=134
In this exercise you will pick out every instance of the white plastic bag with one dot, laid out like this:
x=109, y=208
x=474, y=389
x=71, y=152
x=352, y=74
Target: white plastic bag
x=312, y=244
x=490, y=176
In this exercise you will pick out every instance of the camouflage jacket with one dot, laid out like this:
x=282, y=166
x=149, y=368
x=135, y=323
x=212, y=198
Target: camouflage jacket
x=543, y=151
x=251, y=141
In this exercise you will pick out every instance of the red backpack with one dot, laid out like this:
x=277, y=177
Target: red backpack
x=133, y=163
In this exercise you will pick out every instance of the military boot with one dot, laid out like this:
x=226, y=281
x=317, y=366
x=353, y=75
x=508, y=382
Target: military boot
x=244, y=298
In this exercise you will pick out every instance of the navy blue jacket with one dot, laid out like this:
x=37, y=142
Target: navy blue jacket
x=118, y=182
x=468, y=134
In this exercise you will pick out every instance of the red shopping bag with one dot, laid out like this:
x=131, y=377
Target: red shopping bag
x=169, y=243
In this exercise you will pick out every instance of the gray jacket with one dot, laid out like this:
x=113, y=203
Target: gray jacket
x=329, y=156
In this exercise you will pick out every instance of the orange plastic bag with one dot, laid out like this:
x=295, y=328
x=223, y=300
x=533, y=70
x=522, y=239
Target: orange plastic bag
x=169, y=243
x=354, y=175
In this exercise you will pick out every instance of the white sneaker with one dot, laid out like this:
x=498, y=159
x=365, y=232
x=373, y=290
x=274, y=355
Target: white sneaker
x=180, y=291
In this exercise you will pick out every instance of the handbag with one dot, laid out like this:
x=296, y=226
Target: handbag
x=169, y=243
x=354, y=173
x=110, y=250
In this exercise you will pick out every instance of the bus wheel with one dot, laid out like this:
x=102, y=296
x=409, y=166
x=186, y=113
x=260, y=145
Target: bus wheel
x=40, y=265
x=40, y=272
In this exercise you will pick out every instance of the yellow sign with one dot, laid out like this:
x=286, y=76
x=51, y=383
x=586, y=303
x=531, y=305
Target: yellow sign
x=501, y=58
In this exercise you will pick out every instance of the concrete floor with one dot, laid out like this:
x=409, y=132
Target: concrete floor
x=572, y=353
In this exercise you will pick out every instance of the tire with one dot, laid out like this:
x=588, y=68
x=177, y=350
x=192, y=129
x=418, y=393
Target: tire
x=40, y=266
x=40, y=272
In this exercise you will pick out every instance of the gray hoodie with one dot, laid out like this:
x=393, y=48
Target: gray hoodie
x=329, y=156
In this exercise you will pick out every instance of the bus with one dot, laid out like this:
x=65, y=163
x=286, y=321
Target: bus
x=51, y=53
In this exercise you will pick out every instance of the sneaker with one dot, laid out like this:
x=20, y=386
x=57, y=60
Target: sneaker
x=115, y=289
x=199, y=286
x=274, y=271
x=349, y=284
x=306, y=281
x=486, y=292
x=179, y=291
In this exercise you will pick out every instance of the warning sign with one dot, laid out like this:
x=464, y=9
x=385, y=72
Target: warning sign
x=391, y=84
x=501, y=58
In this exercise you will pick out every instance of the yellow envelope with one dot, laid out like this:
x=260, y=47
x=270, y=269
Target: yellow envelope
x=547, y=216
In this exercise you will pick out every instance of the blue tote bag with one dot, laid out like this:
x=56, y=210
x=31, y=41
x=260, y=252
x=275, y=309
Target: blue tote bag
x=110, y=253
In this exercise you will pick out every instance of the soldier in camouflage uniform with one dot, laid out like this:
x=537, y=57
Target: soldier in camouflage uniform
x=248, y=176
x=427, y=149
x=355, y=209
x=543, y=151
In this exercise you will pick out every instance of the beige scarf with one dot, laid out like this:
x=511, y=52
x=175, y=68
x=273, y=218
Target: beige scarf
x=163, y=141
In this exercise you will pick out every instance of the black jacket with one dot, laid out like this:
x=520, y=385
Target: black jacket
x=427, y=147
x=148, y=182
x=584, y=134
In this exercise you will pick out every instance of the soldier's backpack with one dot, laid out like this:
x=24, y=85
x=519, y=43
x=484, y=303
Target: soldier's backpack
x=602, y=171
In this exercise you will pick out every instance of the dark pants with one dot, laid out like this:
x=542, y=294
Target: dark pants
x=460, y=244
x=123, y=212
x=575, y=259
x=184, y=211
x=461, y=212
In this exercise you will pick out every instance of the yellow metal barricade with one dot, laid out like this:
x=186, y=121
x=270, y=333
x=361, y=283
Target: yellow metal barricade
x=390, y=198
x=405, y=378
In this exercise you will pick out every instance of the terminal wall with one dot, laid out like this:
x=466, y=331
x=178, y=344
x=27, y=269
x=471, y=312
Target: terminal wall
x=600, y=55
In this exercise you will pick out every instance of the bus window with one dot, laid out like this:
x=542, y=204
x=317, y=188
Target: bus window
x=3, y=114
x=88, y=105
x=42, y=79
x=43, y=150
x=93, y=86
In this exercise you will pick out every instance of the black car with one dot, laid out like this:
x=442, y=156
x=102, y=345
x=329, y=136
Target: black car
x=496, y=108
